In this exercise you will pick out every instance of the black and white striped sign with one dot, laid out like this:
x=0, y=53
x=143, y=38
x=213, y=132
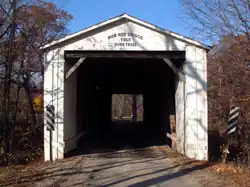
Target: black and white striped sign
x=233, y=119
x=50, y=117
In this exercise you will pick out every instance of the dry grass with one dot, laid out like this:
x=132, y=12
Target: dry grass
x=234, y=174
x=230, y=173
x=15, y=175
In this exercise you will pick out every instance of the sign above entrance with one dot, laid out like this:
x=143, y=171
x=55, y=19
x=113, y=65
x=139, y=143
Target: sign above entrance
x=125, y=39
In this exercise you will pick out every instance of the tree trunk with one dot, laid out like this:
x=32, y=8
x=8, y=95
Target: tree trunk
x=134, y=108
x=7, y=83
x=121, y=106
x=248, y=153
x=13, y=124
x=30, y=101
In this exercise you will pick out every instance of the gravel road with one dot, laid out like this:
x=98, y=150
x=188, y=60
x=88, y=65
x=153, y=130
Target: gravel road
x=146, y=167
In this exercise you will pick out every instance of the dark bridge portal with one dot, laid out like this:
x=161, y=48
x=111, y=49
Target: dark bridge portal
x=99, y=78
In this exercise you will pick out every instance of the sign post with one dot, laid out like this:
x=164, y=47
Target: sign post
x=50, y=123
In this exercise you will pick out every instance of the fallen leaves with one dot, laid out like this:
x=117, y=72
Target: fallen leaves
x=239, y=175
x=224, y=168
x=230, y=173
x=21, y=175
x=28, y=174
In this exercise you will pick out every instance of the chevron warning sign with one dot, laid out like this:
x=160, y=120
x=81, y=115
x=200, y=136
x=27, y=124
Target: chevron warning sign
x=233, y=119
x=50, y=117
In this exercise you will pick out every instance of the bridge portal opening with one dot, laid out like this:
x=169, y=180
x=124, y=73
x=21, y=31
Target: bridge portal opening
x=127, y=107
x=97, y=81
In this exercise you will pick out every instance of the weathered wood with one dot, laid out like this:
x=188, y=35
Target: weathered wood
x=174, y=55
x=171, y=137
x=174, y=68
x=74, y=67
x=77, y=137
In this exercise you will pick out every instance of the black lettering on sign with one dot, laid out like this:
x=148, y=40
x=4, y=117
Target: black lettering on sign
x=111, y=36
x=119, y=44
x=134, y=35
x=131, y=44
x=125, y=39
x=122, y=34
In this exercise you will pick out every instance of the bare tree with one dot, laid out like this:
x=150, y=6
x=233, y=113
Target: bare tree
x=228, y=62
x=26, y=26
x=134, y=107
x=7, y=78
x=214, y=19
x=228, y=75
x=127, y=105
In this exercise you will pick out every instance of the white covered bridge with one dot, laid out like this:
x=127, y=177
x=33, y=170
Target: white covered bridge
x=118, y=56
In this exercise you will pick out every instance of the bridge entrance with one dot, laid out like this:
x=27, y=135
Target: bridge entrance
x=126, y=55
x=101, y=76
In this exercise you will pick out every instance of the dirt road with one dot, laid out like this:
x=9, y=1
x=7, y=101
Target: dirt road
x=146, y=167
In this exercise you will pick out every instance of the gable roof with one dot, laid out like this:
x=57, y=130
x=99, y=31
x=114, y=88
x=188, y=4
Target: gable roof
x=132, y=19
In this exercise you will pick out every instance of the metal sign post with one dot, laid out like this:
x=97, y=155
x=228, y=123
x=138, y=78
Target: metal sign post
x=50, y=123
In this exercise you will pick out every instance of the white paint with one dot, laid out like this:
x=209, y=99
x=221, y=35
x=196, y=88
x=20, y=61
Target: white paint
x=180, y=114
x=171, y=137
x=232, y=130
x=70, y=103
x=131, y=19
x=195, y=104
x=75, y=66
x=191, y=92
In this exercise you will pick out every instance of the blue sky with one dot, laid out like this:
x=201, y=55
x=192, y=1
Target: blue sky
x=163, y=13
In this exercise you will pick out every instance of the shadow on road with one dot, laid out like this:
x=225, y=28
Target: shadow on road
x=61, y=171
x=160, y=179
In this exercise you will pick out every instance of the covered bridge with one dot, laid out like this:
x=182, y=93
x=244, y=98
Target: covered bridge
x=125, y=55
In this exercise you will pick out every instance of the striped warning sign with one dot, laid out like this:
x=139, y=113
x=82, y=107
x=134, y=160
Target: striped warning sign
x=233, y=119
x=50, y=117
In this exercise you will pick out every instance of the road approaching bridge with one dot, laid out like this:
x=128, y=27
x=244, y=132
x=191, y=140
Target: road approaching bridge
x=153, y=166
